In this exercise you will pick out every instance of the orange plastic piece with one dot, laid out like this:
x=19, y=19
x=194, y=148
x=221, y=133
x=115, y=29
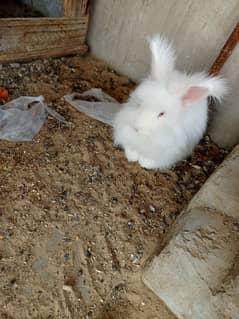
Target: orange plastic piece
x=3, y=92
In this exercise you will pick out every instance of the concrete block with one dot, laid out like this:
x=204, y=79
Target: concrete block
x=221, y=191
x=197, y=273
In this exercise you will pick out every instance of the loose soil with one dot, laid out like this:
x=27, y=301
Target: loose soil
x=77, y=221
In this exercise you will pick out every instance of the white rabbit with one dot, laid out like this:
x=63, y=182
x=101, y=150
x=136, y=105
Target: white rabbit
x=166, y=115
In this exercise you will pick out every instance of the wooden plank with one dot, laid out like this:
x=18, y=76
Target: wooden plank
x=23, y=39
x=76, y=8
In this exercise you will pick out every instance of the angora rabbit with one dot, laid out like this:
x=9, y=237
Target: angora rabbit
x=166, y=115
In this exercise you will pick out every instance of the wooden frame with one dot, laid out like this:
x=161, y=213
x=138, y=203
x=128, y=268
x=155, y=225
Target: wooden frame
x=27, y=38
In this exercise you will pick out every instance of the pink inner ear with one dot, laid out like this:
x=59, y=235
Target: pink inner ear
x=194, y=93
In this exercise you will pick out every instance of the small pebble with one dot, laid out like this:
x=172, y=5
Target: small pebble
x=14, y=65
x=135, y=259
x=88, y=252
x=67, y=256
x=152, y=208
x=130, y=224
x=196, y=166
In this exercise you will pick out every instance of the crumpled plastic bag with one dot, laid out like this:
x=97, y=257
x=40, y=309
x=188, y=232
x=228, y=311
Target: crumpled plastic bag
x=103, y=109
x=22, y=119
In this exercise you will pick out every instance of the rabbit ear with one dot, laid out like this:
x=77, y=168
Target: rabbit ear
x=194, y=94
x=214, y=86
x=163, y=57
x=217, y=87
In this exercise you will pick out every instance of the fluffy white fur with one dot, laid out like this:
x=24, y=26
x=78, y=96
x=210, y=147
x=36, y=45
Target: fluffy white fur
x=166, y=115
x=163, y=57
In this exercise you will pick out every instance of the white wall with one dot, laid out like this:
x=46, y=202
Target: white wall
x=198, y=28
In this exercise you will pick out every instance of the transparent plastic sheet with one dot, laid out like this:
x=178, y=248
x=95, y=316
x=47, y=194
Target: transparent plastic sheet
x=104, y=109
x=22, y=119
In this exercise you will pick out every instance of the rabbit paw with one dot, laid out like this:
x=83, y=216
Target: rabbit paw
x=132, y=156
x=147, y=163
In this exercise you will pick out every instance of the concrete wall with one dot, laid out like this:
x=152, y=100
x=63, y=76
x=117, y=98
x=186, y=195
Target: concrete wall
x=119, y=28
x=199, y=29
x=224, y=128
x=52, y=8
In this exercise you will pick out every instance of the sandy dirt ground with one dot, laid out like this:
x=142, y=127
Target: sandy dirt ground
x=77, y=221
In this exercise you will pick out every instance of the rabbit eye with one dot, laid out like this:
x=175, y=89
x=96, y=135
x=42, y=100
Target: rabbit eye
x=161, y=114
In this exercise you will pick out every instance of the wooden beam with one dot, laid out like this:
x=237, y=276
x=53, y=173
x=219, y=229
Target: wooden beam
x=24, y=39
x=76, y=8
